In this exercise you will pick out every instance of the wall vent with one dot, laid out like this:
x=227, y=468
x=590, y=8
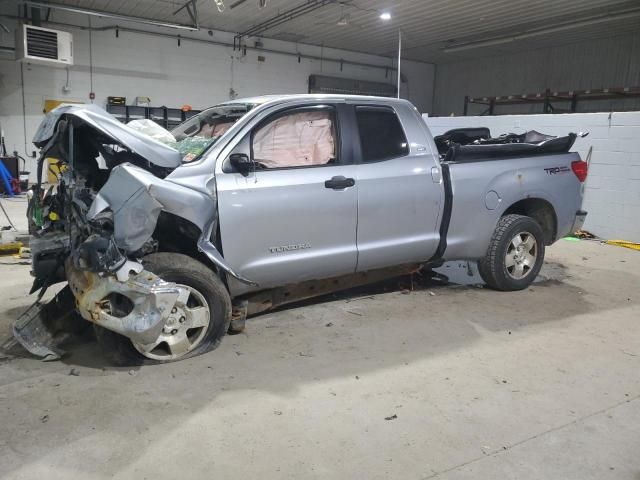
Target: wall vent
x=44, y=46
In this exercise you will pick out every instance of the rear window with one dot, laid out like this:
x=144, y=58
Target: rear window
x=381, y=134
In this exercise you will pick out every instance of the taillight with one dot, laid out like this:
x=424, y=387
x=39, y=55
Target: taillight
x=580, y=168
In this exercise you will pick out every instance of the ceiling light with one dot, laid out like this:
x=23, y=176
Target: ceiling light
x=385, y=16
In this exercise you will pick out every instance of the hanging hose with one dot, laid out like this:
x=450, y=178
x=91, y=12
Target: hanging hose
x=8, y=218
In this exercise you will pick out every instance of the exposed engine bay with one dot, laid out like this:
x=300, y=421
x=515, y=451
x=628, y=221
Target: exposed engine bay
x=59, y=217
x=111, y=207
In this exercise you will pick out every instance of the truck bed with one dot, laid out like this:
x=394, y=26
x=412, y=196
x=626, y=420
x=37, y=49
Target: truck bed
x=475, y=144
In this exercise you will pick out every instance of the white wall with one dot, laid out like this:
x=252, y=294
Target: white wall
x=197, y=74
x=599, y=63
x=612, y=193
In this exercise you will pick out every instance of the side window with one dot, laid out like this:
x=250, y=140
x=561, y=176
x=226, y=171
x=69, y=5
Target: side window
x=299, y=138
x=381, y=134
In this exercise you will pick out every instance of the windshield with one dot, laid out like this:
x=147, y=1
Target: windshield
x=202, y=130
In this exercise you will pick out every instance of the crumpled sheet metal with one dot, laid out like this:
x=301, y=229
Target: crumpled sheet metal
x=44, y=327
x=136, y=198
x=31, y=332
x=148, y=148
x=152, y=299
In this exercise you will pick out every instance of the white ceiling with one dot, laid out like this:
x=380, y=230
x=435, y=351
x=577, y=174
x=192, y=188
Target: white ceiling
x=428, y=26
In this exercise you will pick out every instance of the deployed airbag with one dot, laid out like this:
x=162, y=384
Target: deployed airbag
x=299, y=139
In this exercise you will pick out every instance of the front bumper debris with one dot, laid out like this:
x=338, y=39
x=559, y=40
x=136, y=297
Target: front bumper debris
x=142, y=314
x=43, y=327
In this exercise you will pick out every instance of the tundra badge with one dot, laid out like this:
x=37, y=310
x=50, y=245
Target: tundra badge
x=290, y=248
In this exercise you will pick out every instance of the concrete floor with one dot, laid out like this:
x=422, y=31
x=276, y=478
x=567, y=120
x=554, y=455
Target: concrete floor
x=453, y=382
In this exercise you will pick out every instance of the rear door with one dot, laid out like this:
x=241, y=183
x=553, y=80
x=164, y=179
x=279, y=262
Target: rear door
x=294, y=217
x=400, y=191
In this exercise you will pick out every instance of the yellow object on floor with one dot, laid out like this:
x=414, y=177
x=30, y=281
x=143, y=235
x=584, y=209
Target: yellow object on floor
x=10, y=248
x=624, y=243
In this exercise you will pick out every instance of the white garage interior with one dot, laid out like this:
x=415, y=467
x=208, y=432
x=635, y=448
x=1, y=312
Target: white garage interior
x=409, y=378
x=560, y=56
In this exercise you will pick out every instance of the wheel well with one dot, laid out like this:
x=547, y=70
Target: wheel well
x=177, y=235
x=542, y=212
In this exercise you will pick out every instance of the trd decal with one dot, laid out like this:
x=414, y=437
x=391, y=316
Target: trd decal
x=554, y=170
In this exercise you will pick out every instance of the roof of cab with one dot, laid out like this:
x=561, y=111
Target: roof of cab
x=264, y=99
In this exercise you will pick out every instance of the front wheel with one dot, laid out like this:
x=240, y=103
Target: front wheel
x=196, y=324
x=515, y=254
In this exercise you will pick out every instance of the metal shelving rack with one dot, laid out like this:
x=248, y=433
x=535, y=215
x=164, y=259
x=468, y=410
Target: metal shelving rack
x=550, y=99
x=165, y=117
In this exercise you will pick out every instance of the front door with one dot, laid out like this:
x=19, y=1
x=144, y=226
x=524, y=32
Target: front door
x=292, y=218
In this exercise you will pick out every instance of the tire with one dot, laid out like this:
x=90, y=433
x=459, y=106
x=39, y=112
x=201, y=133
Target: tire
x=204, y=287
x=506, y=267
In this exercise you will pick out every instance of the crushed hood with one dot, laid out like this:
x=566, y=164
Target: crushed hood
x=146, y=147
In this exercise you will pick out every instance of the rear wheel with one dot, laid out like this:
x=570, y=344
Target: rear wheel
x=196, y=324
x=515, y=254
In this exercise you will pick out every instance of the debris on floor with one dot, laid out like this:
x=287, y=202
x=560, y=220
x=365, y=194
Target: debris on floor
x=44, y=327
x=584, y=234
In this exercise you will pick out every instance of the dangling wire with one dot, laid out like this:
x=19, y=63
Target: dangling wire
x=90, y=58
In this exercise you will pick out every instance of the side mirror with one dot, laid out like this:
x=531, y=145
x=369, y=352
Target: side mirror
x=241, y=163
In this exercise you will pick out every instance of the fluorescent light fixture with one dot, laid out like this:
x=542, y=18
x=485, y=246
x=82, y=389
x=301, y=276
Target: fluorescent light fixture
x=385, y=16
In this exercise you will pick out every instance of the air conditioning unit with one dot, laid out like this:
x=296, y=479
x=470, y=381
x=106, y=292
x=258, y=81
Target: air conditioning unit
x=44, y=46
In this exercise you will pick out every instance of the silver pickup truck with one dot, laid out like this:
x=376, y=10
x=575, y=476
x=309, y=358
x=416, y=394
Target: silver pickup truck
x=167, y=245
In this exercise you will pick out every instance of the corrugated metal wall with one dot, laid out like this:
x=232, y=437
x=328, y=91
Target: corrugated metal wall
x=601, y=63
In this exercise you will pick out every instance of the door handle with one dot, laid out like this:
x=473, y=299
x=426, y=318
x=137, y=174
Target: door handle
x=339, y=183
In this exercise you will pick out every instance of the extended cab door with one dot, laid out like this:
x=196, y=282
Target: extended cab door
x=400, y=191
x=292, y=218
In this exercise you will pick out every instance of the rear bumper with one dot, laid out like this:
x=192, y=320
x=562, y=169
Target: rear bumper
x=581, y=216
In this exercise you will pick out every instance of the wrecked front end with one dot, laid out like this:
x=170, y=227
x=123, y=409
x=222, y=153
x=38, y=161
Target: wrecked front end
x=112, y=206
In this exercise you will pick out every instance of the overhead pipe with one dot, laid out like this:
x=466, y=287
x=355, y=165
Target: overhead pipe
x=542, y=31
x=286, y=16
x=236, y=4
x=298, y=55
x=102, y=14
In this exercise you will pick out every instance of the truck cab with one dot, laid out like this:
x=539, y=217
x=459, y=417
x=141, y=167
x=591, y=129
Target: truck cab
x=333, y=187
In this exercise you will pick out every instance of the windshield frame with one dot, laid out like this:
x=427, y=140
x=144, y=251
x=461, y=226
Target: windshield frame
x=204, y=118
